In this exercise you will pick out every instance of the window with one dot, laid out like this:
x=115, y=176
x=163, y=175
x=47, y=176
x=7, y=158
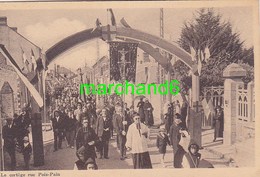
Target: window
x=101, y=71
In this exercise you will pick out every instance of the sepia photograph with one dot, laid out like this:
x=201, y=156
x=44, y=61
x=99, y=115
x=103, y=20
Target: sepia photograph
x=128, y=85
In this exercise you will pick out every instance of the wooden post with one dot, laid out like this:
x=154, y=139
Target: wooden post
x=36, y=124
x=195, y=117
x=38, y=151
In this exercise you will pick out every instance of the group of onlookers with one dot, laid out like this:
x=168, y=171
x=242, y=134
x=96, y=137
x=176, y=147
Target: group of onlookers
x=15, y=135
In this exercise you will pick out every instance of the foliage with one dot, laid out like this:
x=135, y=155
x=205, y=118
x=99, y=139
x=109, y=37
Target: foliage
x=249, y=72
x=207, y=29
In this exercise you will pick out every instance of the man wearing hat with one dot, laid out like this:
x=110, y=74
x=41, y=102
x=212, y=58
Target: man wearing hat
x=218, y=123
x=9, y=136
x=175, y=137
x=22, y=123
x=58, y=129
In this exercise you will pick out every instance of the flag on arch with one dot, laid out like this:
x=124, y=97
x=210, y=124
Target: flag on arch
x=25, y=61
x=34, y=63
x=211, y=106
x=36, y=95
x=206, y=108
x=193, y=53
x=199, y=66
x=207, y=54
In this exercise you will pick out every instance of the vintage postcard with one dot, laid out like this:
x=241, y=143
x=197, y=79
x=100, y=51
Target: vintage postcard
x=118, y=86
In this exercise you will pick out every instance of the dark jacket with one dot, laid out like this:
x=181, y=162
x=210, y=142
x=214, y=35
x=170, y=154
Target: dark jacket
x=80, y=165
x=22, y=123
x=9, y=135
x=194, y=160
x=70, y=124
x=118, y=123
x=58, y=126
x=101, y=125
x=168, y=119
x=161, y=142
x=174, y=136
x=83, y=137
x=27, y=151
x=148, y=113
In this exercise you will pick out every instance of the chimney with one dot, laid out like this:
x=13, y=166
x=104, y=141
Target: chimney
x=3, y=21
x=14, y=28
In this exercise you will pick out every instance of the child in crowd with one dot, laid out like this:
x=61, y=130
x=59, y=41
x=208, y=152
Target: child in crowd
x=161, y=143
x=26, y=151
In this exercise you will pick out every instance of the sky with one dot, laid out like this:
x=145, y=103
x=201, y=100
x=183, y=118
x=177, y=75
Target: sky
x=47, y=27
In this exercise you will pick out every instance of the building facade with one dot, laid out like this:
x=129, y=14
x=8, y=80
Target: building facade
x=19, y=48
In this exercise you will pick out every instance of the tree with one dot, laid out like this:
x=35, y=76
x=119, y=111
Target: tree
x=207, y=30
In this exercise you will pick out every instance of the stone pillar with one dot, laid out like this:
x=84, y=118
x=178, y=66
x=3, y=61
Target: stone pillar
x=233, y=74
x=251, y=108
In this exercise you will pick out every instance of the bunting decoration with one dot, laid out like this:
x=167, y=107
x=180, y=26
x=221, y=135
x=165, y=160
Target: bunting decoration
x=207, y=54
x=43, y=61
x=123, y=57
x=34, y=63
x=193, y=53
x=199, y=66
x=25, y=61
x=206, y=108
x=211, y=106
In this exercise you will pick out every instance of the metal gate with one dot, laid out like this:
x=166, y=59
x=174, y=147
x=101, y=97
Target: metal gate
x=215, y=95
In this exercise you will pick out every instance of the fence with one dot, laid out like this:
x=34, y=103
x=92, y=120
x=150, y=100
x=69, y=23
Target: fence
x=215, y=95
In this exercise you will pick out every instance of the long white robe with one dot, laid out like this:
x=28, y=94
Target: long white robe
x=137, y=143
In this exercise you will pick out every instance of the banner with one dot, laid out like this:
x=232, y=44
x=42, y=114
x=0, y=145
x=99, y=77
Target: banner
x=123, y=57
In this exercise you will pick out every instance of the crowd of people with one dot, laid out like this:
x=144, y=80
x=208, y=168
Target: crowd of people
x=92, y=130
x=89, y=130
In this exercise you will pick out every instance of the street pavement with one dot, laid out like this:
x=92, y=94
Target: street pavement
x=64, y=159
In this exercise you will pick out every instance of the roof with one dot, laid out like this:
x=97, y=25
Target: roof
x=63, y=70
x=100, y=60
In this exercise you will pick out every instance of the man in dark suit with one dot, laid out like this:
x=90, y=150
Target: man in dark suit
x=175, y=137
x=22, y=124
x=121, y=125
x=58, y=129
x=103, y=128
x=9, y=136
